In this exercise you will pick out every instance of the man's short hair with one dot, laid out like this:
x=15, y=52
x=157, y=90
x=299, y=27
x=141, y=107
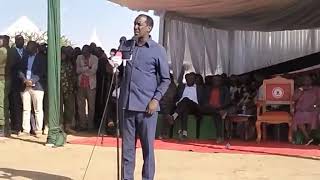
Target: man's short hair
x=6, y=37
x=19, y=36
x=34, y=43
x=149, y=20
x=113, y=50
x=86, y=46
x=191, y=74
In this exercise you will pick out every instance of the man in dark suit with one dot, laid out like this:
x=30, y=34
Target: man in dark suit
x=146, y=81
x=15, y=57
x=189, y=100
x=32, y=71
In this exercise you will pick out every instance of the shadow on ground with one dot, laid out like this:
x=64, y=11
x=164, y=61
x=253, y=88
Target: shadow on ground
x=6, y=173
x=36, y=141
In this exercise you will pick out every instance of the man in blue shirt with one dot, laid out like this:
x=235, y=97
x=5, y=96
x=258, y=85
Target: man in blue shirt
x=146, y=81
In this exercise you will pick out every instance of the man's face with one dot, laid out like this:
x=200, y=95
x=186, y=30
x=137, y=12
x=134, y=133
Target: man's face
x=19, y=42
x=141, y=29
x=86, y=52
x=63, y=56
x=190, y=79
x=69, y=51
x=93, y=45
x=32, y=48
x=1, y=42
x=6, y=40
x=112, y=53
x=216, y=81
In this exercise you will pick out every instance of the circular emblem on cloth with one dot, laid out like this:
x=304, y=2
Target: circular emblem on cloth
x=277, y=92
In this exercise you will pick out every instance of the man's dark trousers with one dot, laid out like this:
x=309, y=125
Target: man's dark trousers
x=138, y=123
x=16, y=110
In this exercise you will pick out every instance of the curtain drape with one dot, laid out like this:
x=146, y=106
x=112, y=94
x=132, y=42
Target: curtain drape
x=197, y=46
x=56, y=136
x=235, y=52
x=210, y=36
x=176, y=46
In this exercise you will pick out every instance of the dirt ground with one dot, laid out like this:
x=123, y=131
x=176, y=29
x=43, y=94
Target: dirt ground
x=27, y=158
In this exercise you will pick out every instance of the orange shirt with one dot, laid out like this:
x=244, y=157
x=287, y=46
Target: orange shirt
x=214, y=100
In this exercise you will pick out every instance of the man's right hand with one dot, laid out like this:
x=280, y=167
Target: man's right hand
x=28, y=83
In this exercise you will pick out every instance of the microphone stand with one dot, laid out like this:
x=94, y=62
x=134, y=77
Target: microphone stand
x=117, y=127
x=101, y=125
x=115, y=82
x=115, y=78
x=124, y=63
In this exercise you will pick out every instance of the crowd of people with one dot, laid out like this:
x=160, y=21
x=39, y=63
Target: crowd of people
x=219, y=96
x=86, y=79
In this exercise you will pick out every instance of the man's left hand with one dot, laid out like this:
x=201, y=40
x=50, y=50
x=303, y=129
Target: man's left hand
x=152, y=106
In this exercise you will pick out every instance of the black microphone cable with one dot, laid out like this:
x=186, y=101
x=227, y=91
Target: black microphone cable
x=101, y=125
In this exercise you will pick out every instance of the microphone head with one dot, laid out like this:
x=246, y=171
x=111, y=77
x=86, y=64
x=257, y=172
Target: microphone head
x=122, y=39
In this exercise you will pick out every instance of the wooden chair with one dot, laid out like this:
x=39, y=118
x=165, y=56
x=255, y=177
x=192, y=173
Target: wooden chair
x=239, y=118
x=276, y=91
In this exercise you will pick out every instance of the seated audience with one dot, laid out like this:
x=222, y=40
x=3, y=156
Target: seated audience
x=216, y=100
x=199, y=80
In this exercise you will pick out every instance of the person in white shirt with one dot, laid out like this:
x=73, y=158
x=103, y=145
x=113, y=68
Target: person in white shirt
x=189, y=101
x=87, y=65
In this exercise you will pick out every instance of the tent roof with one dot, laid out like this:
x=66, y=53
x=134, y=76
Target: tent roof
x=261, y=15
x=23, y=24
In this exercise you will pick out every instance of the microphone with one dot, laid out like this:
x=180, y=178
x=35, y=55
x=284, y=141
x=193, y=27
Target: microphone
x=128, y=47
x=122, y=40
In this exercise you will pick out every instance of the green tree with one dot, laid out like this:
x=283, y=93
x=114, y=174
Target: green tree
x=40, y=38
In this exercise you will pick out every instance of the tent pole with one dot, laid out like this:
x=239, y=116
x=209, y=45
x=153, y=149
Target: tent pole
x=56, y=136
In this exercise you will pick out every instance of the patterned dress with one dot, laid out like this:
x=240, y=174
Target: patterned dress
x=306, y=111
x=67, y=78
